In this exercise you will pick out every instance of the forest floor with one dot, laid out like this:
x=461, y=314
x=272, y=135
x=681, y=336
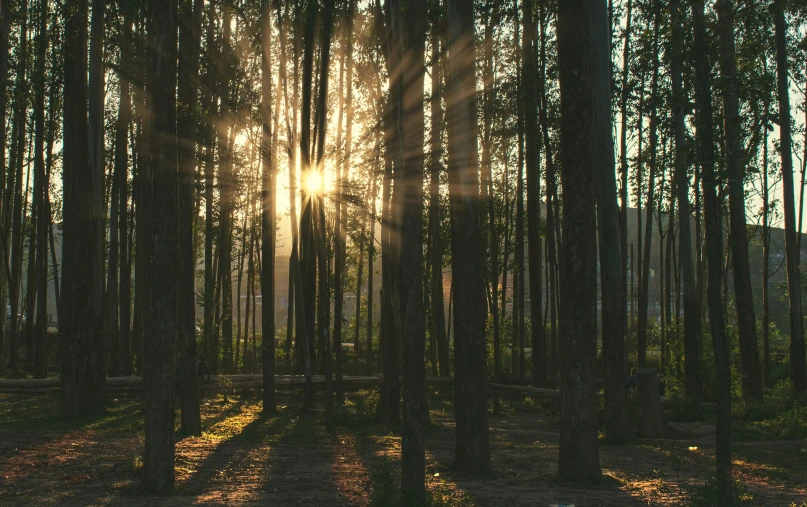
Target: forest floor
x=291, y=459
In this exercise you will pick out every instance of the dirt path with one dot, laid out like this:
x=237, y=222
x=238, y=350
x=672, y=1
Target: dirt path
x=291, y=460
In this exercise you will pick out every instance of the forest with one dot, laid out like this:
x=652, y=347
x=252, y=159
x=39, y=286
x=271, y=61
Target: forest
x=512, y=252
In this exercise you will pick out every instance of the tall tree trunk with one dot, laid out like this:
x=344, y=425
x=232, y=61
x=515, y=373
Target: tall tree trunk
x=472, y=452
x=226, y=189
x=268, y=219
x=389, y=402
x=743, y=295
x=121, y=174
x=518, y=272
x=579, y=457
x=692, y=350
x=798, y=370
x=644, y=276
x=306, y=268
x=77, y=323
x=766, y=246
x=13, y=206
x=97, y=378
x=438, y=326
x=190, y=37
x=37, y=251
x=368, y=349
x=408, y=31
x=161, y=325
x=209, y=339
x=623, y=150
x=530, y=88
x=714, y=248
x=5, y=28
x=613, y=291
x=551, y=201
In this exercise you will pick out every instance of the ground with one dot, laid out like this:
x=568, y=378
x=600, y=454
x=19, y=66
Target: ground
x=291, y=459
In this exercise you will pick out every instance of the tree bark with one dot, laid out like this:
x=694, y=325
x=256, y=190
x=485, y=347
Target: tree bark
x=472, y=452
x=692, y=350
x=408, y=29
x=5, y=28
x=268, y=225
x=644, y=277
x=37, y=291
x=190, y=36
x=743, y=295
x=798, y=370
x=162, y=323
x=578, y=457
x=534, y=243
x=613, y=291
x=209, y=339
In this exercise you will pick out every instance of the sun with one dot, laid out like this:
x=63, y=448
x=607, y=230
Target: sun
x=313, y=182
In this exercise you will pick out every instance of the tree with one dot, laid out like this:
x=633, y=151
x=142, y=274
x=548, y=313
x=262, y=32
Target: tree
x=78, y=387
x=37, y=270
x=534, y=244
x=438, y=328
x=408, y=37
x=162, y=323
x=743, y=295
x=692, y=350
x=798, y=369
x=472, y=452
x=5, y=27
x=613, y=291
x=714, y=238
x=190, y=36
x=579, y=458
x=267, y=218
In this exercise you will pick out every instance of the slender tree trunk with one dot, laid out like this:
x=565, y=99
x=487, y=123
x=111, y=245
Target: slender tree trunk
x=268, y=220
x=389, y=403
x=535, y=253
x=692, y=351
x=646, y=246
x=368, y=349
x=743, y=295
x=613, y=298
x=798, y=371
x=5, y=28
x=190, y=36
x=209, y=339
x=121, y=173
x=472, y=452
x=306, y=268
x=438, y=328
x=226, y=189
x=623, y=150
x=766, y=246
x=714, y=247
x=551, y=201
x=96, y=380
x=13, y=207
x=579, y=457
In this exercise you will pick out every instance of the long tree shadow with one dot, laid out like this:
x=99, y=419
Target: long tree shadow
x=300, y=468
x=209, y=469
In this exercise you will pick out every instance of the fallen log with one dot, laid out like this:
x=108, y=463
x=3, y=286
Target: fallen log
x=532, y=392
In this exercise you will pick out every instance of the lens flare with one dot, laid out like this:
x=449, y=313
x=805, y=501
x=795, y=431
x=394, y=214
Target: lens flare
x=313, y=182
